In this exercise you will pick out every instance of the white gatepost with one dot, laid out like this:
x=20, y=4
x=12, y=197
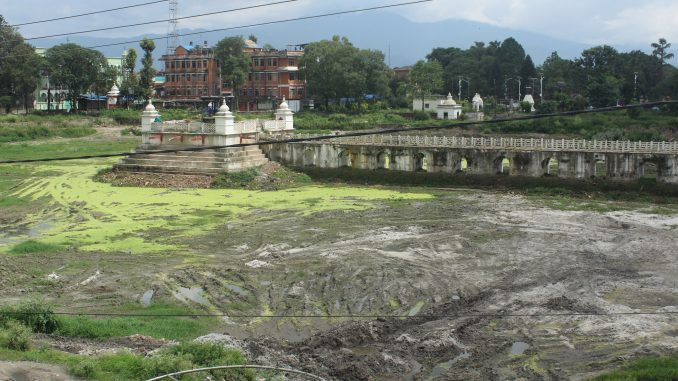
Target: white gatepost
x=224, y=124
x=148, y=116
x=284, y=114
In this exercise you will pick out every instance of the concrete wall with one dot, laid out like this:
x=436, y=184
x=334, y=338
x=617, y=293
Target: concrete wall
x=577, y=165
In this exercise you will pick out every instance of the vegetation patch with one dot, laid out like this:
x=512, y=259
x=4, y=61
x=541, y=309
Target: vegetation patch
x=31, y=246
x=270, y=177
x=645, y=369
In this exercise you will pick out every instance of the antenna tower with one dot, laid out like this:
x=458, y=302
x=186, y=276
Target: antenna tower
x=172, y=34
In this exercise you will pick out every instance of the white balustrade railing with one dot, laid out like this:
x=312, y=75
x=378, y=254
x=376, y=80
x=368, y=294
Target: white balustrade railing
x=528, y=144
x=183, y=127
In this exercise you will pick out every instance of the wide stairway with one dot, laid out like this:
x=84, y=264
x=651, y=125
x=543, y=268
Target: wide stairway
x=210, y=161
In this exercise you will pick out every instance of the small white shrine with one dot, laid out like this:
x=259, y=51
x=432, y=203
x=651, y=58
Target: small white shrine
x=529, y=99
x=477, y=103
x=448, y=108
x=112, y=97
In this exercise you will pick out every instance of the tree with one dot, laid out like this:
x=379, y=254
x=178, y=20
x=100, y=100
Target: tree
x=129, y=87
x=19, y=66
x=147, y=72
x=253, y=38
x=660, y=50
x=234, y=64
x=603, y=91
x=336, y=69
x=527, y=71
x=75, y=68
x=426, y=78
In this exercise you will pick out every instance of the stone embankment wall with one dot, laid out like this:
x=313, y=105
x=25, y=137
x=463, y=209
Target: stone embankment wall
x=479, y=161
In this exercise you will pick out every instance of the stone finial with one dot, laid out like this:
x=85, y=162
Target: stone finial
x=224, y=106
x=149, y=106
x=283, y=104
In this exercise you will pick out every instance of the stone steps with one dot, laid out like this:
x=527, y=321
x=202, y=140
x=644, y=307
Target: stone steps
x=192, y=162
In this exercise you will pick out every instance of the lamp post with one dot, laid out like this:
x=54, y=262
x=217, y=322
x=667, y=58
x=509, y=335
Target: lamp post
x=635, y=83
x=468, y=85
x=541, y=86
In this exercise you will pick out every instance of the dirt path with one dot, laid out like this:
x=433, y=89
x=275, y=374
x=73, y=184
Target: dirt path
x=31, y=371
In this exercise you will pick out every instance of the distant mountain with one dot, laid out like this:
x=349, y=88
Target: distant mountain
x=407, y=41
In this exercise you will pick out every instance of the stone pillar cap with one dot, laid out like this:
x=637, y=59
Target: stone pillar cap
x=149, y=106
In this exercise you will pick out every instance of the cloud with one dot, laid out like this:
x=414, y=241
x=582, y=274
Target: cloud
x=585, y=21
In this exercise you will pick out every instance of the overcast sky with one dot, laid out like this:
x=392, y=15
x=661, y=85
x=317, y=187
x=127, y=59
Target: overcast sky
x=587, y=21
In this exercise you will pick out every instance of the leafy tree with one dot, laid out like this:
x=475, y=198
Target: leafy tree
x=147, y=72
x=527, y=71
x=426, y=78
x=336, y=69
x=253, y=38
x=660, y=50
x=19, y=66
x=75, y=68
x=233, y=62
x=604, y=91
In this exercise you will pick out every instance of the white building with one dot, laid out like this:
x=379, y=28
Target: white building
x=448, y=109
x=430, y=103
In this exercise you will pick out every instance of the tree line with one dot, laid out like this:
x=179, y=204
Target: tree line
x=71, y=67
x=600, y=76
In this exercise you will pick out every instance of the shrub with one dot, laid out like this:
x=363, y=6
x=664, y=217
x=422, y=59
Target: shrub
x=15, y=336
x=83, y=369
x=421, y=115
x=525, y=107
x=35, y=314
x=240, y=179
x=32, y=246
x=163, y=364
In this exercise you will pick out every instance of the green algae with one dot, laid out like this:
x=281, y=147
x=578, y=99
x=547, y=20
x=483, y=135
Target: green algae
x=94, y=216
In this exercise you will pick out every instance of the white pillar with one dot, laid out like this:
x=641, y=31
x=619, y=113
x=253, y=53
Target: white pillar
x=224, y=124
x=148, y=116
x=284, y=114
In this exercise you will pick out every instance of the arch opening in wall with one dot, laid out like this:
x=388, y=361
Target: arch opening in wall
x=601, y=166
x=648, y=170
x=344, y=159
x=383, y=161
x=502, y=165
x=309, y=158
x=550, y=166
x=464, y=164
x=420, y=162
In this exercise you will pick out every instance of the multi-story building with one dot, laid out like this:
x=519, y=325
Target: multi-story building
x=274, y=74
x=191, y=75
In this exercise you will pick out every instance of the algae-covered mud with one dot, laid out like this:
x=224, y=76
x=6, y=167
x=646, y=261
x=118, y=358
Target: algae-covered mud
x=441, y=267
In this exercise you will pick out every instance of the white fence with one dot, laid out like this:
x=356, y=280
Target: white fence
x=183, y=127
x=521, y=144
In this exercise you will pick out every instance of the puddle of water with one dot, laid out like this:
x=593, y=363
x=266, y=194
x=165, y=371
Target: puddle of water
x=519, y=347
x=237, y=289
x=39, y=228
x=147, y=297
x=265, y=282
x=193, y=294
x=415, y=310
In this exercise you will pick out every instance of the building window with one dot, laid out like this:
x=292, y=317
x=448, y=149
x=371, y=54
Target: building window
x=291, y=61
x=270, y=62
x=249, y=77
x=300, y=91
x=291, y=92
x=426, y=105
x=256, y=92
x=275, y=62
x=193, y=64
x=291, y=76
x=270, y=76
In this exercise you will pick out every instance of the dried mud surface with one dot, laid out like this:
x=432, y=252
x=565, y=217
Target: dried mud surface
x=439, y=271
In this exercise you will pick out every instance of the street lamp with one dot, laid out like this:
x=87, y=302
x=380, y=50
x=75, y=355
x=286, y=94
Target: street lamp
x=468, y=85
x=541, y=86
x=635, y=83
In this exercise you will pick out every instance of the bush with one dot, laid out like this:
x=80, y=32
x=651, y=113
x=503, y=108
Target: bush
x=546, y=107
x=32, y=246
x=83, y=369
x=35, y=314
x=421, y=115
x=162, y=364
x=241, y=179
x=525, y=107
x=15, y=336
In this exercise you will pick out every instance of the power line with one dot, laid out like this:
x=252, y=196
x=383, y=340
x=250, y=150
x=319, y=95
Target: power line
x=90, y=13
x=353, y=134
x=162, y=21
x=260, y=24
x=347, y=316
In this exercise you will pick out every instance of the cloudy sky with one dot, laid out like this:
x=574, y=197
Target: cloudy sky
x=622, y=22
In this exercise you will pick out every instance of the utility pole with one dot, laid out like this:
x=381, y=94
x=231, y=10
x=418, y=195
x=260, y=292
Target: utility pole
x=635, y=83
x=172, y=34
x=541, y=87
x=468, y=86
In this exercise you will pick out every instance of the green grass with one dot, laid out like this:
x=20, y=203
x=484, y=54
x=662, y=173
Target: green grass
x=31, y=246
x=24, y=133
x=70, y=148
x=173, y=328
x=646, y=369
